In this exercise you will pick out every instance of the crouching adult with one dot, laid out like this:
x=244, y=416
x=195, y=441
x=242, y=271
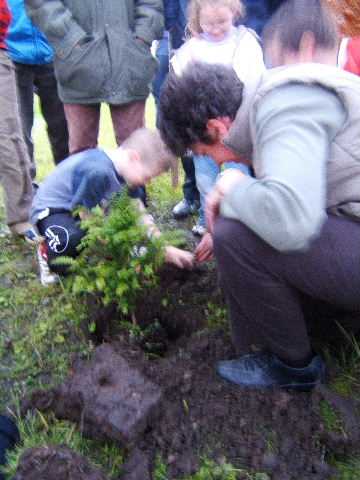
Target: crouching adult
x=289, y=238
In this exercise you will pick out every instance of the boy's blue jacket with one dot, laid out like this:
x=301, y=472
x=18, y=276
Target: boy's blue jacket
x=26, y=44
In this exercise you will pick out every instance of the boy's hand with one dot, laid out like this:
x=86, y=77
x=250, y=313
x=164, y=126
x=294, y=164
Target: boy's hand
x=179, y=258
x=228, y=179
x=204, y=251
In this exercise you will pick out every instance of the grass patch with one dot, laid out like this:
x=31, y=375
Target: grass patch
x=210, y=470
x=349, y=470
x=330, y=418
x=38, y=430
x=39, y=329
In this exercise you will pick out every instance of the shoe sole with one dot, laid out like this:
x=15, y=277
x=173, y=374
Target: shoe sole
x=182, y=216
x=299, y=387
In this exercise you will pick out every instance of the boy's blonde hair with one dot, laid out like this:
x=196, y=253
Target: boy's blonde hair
x=151, y=149
x=195, y=6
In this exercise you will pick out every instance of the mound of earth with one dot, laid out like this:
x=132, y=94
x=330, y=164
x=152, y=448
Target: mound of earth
x=109, y=399
x=55, y=463
x=273, y=431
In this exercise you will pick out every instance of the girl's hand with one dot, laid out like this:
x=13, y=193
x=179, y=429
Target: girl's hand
x=179, y=258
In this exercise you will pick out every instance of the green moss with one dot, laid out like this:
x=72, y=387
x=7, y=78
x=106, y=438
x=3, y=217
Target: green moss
x=349, y=470
x=216, y=315
x=330, y=418
x=342, y=385
x=210, y=470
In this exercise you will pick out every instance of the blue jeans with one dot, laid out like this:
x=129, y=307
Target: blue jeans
x=162, y=54
x=257, y=13
x=206, y=171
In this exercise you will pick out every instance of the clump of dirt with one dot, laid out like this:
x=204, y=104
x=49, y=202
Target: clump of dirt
x=273, y=431
x=107, y=397
x=138, y=466
x=55, y=463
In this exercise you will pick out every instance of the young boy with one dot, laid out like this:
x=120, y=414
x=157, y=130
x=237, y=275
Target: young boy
x=91, y=178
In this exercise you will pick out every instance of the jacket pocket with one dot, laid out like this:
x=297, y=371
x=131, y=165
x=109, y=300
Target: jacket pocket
x=141, y=66
x=84, y=69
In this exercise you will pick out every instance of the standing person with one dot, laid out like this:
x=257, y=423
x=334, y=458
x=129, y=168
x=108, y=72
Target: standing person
x=14, y=161
x=258, y=13
x=32, y=57
x=162, y=55
x=275, y=234
x=175, y=22
x=215, y=39
x=102, y=55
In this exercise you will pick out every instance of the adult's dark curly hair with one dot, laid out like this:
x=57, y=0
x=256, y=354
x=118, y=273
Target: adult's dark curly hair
x=187, y=102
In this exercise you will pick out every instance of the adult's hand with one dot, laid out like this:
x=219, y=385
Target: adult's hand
x=226, y=182
x=204, y=251
x=179, y=258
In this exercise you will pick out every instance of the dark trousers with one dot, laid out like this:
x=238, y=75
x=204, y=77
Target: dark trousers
x=41, y=80
x=191, y=193
x=9, y=436
x=62, y=235
x=268, y=291
x=257, y=13
x=162, y=55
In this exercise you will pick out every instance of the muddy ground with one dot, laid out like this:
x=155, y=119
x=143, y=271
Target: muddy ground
x=196, y=413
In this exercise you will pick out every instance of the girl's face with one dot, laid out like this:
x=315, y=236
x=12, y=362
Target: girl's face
x=216, y=21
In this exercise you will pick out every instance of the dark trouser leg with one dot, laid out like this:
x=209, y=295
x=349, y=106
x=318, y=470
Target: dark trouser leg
x=256, y=14
x=83, y=125
x=9, y=436
x=191, y=193
x=265, y=288
x=126, y=119
x=162, y=55
x=25, y=92
x=62, y=234
x=53, y=110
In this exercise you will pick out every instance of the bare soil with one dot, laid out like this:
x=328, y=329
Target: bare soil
x=55, y=463
x=197, y=413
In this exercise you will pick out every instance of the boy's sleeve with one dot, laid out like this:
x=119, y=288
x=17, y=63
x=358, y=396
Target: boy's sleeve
x=137, y=193
x=90, y=189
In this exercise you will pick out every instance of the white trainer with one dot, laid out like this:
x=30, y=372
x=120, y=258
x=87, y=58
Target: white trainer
x=47, y=277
